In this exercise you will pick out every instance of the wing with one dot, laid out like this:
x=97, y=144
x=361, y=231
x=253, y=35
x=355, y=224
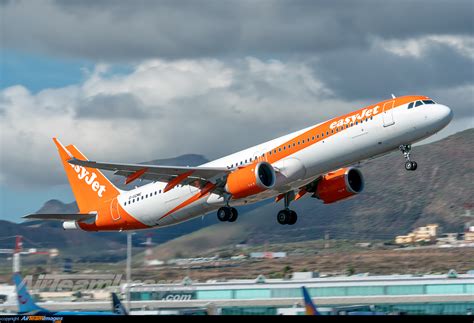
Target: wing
x=174, y=175
x=61, y=217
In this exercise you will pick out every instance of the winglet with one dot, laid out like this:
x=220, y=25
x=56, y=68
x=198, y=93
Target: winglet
x=61, y=148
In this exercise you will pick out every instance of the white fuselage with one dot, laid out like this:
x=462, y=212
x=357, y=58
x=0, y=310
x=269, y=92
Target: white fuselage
x=379, y=135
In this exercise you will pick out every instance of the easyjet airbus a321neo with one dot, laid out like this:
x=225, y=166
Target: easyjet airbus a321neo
x=315, y=161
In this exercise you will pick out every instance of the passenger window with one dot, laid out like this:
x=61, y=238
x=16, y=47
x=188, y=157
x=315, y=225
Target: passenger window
x=322, y=134
x=133, y=200
x=302, y=141
x=160, y=191
x=418, y=103
x=317, y=136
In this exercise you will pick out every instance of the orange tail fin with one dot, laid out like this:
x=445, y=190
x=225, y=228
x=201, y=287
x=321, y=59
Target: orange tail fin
x=90, y=187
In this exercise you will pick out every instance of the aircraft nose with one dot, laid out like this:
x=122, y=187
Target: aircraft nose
x=443, y=114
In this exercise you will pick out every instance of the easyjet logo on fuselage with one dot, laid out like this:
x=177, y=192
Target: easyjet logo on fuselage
x=366, y=113
x=89, y=178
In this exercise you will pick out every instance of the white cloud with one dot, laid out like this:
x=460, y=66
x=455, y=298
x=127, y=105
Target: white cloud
x=202, y=106
x=416, y=47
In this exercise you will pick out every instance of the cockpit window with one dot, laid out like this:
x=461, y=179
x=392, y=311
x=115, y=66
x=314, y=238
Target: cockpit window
x=418, y=103
x=428, y=102
x=410, y=105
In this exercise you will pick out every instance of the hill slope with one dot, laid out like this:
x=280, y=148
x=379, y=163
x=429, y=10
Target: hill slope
x=394, y=202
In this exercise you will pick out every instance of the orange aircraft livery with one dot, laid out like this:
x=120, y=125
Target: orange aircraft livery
x=315, y=161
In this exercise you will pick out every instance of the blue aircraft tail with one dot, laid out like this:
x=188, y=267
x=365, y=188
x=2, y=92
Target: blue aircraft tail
x=26, y=303
x=117, y=306
x=308, y=303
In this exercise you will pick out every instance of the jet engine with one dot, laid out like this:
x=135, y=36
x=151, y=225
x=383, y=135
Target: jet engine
x=339, y=185
x=250, y=180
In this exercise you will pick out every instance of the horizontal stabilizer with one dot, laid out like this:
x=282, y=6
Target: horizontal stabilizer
x=61, y=217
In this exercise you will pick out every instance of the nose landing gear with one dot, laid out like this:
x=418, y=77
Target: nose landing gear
x=406, y=150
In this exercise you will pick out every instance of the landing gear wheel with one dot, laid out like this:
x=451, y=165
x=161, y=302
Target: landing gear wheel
x=224, y=214
x=411, y=165
x=292, y=218
x=406, y=150
x=283, y=216
x=234, y=214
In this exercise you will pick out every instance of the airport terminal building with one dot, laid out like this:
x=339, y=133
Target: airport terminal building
x=395, y=294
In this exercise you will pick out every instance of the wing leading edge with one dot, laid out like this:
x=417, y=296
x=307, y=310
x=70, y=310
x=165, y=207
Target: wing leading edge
x=172, y=174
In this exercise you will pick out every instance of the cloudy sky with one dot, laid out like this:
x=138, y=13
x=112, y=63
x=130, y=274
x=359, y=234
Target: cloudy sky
x=130, y=81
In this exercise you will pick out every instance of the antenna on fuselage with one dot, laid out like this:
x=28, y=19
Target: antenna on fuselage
x=393, y=96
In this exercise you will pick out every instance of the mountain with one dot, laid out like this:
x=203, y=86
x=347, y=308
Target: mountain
x=49, y=234
x=394, y=202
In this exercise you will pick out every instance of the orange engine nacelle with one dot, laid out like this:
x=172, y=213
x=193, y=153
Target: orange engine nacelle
x=250, y=180
x=339, y=185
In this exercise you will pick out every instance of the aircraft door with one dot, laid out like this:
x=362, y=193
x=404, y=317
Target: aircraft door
x=114, y=210
x=387, y=114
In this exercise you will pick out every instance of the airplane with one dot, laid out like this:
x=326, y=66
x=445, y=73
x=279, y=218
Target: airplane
x=317, y=160
x=27, y=305
x=310, y=308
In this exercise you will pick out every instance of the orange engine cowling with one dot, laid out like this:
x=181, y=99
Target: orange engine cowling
x=250, y=180
x=339, y=185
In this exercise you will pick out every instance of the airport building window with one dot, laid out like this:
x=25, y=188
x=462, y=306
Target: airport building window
x=445, y=289
x=214, y=294
x=252, y=293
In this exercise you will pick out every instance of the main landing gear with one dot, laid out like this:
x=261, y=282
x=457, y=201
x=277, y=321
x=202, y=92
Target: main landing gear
x=287, y=216
x=406, y=150
x=227, y=214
